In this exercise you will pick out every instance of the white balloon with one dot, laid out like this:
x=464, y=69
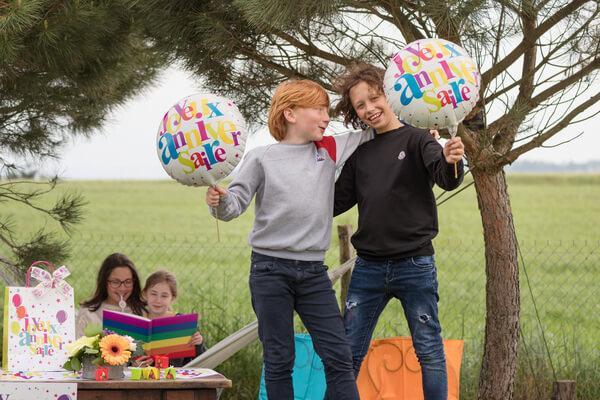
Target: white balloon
x=432, y=83
x=201, y=139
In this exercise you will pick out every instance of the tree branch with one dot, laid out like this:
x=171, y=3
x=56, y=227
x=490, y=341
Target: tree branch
x=523, y=108
x=563, y=142
x=544, y=61
x=311, y=50
x=529, y=58
x=511, y=156
x=528, y=37
x=551, y=91
x=395, y=16
x=9, y=273
x=402, y=22
x=504, y=142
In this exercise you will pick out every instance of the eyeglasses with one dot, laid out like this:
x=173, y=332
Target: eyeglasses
x=115, y=283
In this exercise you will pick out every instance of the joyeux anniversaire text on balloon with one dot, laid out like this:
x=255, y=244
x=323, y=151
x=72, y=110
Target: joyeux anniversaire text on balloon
x=432, y=82
x=201, y=139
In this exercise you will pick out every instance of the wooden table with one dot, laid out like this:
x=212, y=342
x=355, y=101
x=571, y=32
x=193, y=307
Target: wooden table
x=184, y=389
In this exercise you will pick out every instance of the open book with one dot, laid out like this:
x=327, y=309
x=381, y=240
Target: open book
x=167, y=336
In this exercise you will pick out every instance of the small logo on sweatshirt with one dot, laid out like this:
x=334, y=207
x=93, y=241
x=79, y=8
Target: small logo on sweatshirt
x=402, y=155
x=320, y=157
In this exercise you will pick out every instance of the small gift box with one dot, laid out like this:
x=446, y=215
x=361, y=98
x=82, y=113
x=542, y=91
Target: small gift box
x=170, y=373
x=136, y=373
x=151, y=373
x=101, y=374
x=161, y=361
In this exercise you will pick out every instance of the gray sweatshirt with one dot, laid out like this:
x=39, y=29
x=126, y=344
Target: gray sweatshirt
x=294, y=187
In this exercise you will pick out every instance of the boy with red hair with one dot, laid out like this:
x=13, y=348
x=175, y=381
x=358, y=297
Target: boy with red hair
x=293, y=181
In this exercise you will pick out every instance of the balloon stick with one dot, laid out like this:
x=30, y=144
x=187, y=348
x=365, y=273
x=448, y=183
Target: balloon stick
x=217, y=222
x=214, y=186
x=453, y=129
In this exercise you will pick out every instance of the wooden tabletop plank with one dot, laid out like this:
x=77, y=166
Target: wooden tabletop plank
x=161, y=384
x=212, y=381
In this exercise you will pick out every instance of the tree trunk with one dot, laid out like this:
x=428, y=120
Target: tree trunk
x=498, y=369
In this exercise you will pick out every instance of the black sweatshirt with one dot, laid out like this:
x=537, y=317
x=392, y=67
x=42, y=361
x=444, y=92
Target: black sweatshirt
x=391, y=179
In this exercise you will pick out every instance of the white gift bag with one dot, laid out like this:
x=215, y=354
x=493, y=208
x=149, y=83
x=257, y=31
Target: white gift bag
x=39, y=321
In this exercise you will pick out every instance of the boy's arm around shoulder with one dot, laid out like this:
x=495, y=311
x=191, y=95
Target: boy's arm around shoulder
x=239, y=194
x=341, y=146
x=441, y=171
x=345, y=190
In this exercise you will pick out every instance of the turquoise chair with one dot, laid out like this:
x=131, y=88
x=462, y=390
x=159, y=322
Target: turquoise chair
x=308, y=376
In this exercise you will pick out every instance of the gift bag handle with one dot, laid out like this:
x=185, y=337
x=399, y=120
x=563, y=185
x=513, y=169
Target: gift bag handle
x=46, y=264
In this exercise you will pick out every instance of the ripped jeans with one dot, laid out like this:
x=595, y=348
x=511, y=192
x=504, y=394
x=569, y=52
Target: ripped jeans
x=413, y=281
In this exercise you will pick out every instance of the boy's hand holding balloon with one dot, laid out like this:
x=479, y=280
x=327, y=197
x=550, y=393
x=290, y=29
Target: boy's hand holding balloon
x=454, y=150
x=214, y=194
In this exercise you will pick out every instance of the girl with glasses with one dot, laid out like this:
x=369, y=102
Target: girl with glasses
x=117, y=289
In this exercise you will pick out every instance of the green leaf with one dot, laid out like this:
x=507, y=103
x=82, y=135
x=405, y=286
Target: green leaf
x=92, y=330
x=78, y=354
x=75, y=364
x=91, y=351
x=67, y=365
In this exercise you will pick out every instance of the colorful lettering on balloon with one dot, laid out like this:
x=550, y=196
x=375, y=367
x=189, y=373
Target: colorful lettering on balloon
x=197, y=135
x=187, y=111
x=436, y=72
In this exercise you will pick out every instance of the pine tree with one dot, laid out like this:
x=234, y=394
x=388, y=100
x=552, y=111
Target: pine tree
x=539, y=63
x=63, y=66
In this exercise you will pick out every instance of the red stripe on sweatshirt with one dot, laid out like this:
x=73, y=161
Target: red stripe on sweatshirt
x=328, y=143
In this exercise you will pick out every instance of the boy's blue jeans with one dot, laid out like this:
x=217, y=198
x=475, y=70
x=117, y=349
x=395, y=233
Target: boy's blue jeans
x=278, y=287
x=413, y=281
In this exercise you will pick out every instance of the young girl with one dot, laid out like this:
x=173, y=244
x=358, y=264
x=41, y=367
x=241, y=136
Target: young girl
x=160, y=292
x=117, y=289
x=293, y=182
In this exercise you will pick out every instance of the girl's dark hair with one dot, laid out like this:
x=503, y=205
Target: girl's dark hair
x=111, y=262
x=371, y=75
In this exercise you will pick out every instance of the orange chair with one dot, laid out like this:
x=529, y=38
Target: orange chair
x=391, y=371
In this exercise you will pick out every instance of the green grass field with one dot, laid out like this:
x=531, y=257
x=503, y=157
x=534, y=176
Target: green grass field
x=545, y=208
x=557, y=218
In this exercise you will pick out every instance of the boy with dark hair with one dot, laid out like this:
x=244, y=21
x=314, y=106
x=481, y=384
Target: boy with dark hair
x=391, y=179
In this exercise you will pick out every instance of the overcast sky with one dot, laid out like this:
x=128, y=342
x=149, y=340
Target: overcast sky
x=125, y=147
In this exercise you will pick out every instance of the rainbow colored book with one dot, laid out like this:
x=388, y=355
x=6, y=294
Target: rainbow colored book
x=168, y=336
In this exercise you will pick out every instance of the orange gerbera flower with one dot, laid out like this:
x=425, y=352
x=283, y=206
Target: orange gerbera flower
x=115, y=349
